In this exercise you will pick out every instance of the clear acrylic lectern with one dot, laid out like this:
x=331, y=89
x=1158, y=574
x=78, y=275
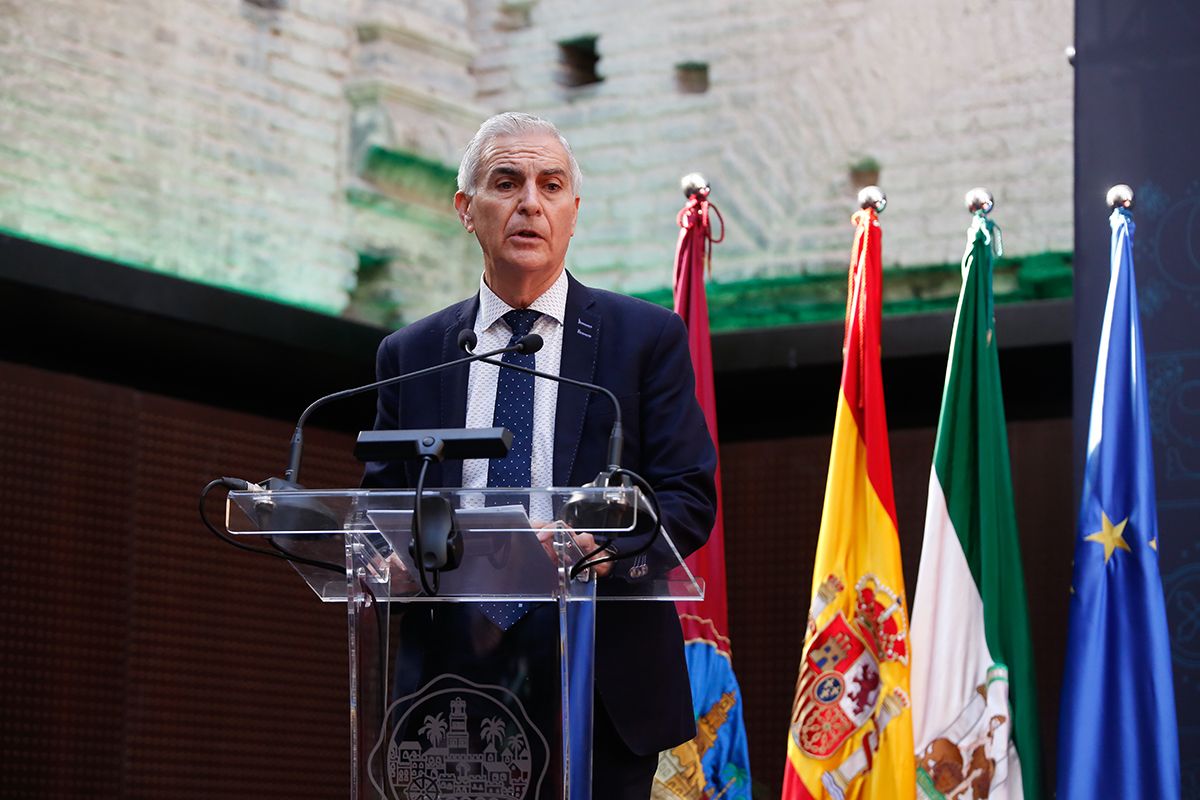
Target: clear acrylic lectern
x=483, y=691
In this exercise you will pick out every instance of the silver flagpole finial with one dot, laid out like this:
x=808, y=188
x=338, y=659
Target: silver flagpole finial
x=1120, y=195
x=979, y=199
x=872, y=197
x=691, y=183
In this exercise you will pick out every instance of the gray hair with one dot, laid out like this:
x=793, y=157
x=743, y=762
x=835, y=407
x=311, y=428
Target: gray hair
x=510, y=123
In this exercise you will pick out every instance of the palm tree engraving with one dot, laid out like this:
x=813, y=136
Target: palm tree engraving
x=517, y=745
x=434, y=729
x=492, y=730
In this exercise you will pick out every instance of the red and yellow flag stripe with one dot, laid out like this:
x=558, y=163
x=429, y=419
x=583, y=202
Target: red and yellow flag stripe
x=851, y=727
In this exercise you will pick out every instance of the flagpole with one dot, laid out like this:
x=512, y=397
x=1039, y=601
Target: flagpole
x=1117, y=625
x=716, y=763
x=872, y=197
x=973, y=683
x=1120, y=196
x=851, y=729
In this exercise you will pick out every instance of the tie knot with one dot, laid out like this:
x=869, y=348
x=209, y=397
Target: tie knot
x=520, y=320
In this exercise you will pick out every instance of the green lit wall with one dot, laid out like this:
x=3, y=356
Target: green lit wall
x=306, y=151
x=204, y=140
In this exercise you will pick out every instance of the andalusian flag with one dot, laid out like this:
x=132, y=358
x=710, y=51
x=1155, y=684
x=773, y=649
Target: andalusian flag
x=974, y=706
x=851, y=731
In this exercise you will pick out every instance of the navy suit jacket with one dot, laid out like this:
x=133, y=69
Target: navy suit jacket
x=638, y=351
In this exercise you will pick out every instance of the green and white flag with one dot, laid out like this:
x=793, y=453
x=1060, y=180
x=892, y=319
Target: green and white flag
x=974, y=704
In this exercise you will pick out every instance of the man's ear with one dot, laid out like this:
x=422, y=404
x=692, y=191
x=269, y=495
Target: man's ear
x=575, y=218
x=462, y=204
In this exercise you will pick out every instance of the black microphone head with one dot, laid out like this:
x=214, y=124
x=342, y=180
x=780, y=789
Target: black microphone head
x=530, y=343
x=614, y=515
x=467, y=340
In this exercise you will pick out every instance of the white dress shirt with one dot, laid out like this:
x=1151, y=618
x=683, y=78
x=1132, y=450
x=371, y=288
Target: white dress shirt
x=494, y=333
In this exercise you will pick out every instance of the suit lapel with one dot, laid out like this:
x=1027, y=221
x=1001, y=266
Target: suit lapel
x=453, y=411
x=581, y=342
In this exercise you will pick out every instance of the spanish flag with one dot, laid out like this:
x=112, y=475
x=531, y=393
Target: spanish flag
x=851, y=727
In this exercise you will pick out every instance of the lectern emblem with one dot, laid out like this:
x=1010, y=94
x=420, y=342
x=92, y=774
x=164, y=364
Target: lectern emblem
x=457, y=740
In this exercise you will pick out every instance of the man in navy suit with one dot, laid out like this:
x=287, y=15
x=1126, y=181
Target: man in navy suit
x=519, y=195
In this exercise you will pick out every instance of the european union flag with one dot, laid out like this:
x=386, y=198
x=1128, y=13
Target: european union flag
x=1117, y=735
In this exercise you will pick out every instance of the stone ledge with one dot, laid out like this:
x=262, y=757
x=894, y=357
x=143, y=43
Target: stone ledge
x=404, y=175
x=368, y=198
x=440, y=41
x=372, y=90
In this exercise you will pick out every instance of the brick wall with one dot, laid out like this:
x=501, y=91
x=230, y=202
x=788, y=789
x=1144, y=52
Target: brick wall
x=945, y=94
x=225, y=142
x=414, y=110
x=205, y=139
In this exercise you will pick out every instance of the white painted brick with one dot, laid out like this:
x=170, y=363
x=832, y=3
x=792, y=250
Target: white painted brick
x=313, y=80
x=336, y=37
x=334, y=61
x=212, y=139
x=170, y=144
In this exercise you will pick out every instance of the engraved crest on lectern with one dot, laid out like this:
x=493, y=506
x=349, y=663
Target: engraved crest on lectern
x=454, y=739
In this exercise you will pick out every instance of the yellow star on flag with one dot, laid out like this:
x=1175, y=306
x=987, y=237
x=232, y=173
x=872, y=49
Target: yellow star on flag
x=1111, y=536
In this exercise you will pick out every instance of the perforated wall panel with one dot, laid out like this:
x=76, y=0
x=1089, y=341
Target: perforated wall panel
x=142, y=657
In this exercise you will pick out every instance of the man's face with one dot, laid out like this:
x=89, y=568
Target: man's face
x=524, y=208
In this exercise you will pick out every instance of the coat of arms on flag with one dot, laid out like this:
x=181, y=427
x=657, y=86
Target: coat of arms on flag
x=974, y=705
x=851, y=732
x=838, y=688
x=971, y=756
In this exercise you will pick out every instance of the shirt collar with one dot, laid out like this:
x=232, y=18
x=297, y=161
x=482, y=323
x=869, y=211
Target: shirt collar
x=552, y=303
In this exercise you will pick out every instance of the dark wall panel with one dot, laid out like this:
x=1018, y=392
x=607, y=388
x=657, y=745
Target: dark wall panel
x=64, y=552
x=1137, y=110
x=143, y=658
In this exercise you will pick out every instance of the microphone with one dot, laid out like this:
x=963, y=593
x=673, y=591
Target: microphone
x=582, y=511
x=309, y=513
x=533, y=343
x=306, y=513
x=291, y=476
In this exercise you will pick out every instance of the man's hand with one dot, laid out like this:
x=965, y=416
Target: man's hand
x=584, y=541
x=398, y=573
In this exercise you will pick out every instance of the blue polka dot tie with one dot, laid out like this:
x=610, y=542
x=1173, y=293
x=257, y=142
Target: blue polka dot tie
x=514, y=410
x=514, y=407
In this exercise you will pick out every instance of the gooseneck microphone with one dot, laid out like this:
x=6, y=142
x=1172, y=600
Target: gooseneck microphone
x=526, y=344
x=585, y=512
x=616, y=438
x=313, y=514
